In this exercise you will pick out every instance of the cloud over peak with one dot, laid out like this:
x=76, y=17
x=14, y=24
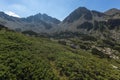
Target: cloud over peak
x=10, y=13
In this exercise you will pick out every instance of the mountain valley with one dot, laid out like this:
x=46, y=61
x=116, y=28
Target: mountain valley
x=84, y=46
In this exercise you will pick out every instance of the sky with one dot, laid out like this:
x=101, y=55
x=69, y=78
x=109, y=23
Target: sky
x=56, y=8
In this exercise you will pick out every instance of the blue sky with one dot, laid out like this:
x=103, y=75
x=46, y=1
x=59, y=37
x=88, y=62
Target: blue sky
x=55, y=8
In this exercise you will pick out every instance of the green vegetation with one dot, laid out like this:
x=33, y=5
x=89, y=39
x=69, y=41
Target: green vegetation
x=33, y=58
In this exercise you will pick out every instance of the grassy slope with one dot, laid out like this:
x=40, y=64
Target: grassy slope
x=28, y=58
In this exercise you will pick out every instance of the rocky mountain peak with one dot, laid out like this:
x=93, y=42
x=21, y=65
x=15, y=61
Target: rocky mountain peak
x=77, y=14
x=82, y=9
x=3, y=15
x=112, y=11
x=42, y=17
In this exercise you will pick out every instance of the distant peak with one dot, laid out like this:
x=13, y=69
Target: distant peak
x=82, y=9
x=112, y=11
x=115, y=9
x=77, y=14
x=39, y=14
x=2, y=12
x=44, y=14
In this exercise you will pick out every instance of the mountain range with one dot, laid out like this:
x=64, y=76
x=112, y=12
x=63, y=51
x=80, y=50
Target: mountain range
x=42, y=22
x=82, y=20
x=84, y=46
x=37, y=23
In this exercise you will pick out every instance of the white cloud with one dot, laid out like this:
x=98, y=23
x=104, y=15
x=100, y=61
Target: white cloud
x=10, y=13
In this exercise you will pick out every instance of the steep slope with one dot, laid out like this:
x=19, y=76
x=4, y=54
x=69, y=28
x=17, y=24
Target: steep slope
x=92, y=22
x=41, y=17
x=39, y=23
x=79, y=17
x=112, y=11
x=10, y=21
x=77, y=14
x=30, y=58
x=91, y=30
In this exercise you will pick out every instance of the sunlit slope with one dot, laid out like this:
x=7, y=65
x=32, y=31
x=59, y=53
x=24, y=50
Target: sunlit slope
x=30, y=58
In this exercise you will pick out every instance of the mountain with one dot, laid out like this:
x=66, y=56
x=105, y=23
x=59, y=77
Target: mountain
x=79, y=17
x=80, y=20
x=85, y=45
x=112, y=11
x=93, y=31
x=41, y=17
x=77, y=14
x=92, y=22
x=39, y=23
